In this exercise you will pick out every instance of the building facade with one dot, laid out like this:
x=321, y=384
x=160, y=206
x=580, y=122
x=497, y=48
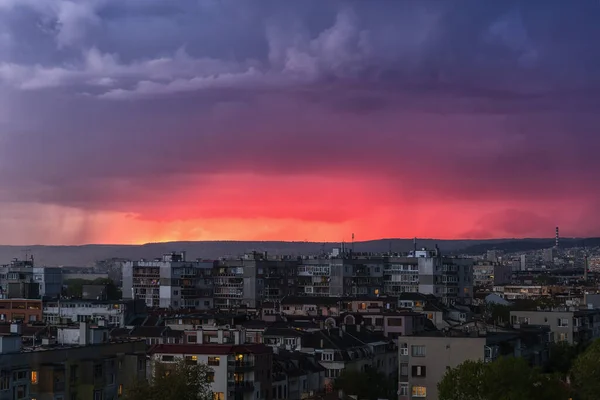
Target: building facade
x=170, y=282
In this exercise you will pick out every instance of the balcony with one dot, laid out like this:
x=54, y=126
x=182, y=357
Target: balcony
x=241, y=386
x=240, y=366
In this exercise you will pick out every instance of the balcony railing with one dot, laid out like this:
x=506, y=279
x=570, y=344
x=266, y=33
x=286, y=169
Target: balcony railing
x=240, y=365
x=241, y=386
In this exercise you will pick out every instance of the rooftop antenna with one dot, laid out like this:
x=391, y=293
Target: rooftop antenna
x=556, y=238
x=27, y=251
x=415, y=246
x=353, y=242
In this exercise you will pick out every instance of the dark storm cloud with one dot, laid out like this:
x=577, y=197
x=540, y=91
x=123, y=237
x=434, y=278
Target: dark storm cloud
x=485, y=99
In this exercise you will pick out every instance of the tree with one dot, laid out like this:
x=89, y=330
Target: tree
x=179, y=381
x=370, y=385
x=585, y=373
x=562, y=356
x=509, y=378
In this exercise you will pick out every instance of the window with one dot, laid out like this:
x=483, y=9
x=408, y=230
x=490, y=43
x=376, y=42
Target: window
x=98, y=395
x=403, y=349
x=210, y=377
x=563, y=322
x=214, y=361
x=419, y=371
x=394, y=322
x=98, y=371
x=404, y=389
x=418, y=351
x=5, y=382
x=110, y=380
x=192, y=339
x=21, y=392
x=168, y=358
x=419, y=391
x=218, y=396
x=327, y=357
x=120, y=391
x=34, y=377
x=404, y=370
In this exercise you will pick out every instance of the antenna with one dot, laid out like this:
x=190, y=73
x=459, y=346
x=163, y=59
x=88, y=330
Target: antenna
x=556, y=238
x=353, y=242
x=415, y=246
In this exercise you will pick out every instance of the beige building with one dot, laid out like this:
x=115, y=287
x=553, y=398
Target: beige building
x=565, y=326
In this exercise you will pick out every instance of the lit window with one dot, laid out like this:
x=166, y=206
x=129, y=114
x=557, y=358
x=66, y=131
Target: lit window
x=34, y=377
x=377, y=291
x=419, y=391
x=218, y=396
x=120, y=390
x=194, y=358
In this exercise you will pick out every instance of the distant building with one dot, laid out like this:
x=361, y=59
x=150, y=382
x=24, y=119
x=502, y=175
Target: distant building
x=113, y=313
x=22, y=280
x=170, y=282
x=527, y=262
x=548, y=255
x=487, y=273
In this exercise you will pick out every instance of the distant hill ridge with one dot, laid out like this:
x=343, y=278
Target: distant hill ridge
x=87, y=255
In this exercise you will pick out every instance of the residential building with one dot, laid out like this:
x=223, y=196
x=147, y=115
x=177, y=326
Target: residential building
x=252, y=279
x=170, y=282
x=391, y=324
x=113, y=313
x=22, y=310
x=425, y=358
x=50, y=280
x=571, y=326
x=86, y=370
x=296, y=375
x=241, y=372
x=17, y=280
x=428, y=272
x=527, y=262
x=486, y=273
x=520, y=292
x=548, y=255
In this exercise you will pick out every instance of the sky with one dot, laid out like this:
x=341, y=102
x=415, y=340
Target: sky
x=133, y=121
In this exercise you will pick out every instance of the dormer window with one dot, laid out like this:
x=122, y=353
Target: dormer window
x=327, y=357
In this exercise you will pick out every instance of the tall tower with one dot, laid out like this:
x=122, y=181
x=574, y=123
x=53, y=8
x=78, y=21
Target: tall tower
x=556, y=238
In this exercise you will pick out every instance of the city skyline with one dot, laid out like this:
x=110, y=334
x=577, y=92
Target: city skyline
x=135, y=122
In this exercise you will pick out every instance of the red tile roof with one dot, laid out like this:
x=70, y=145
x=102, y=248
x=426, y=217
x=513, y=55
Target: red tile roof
x=221, y=349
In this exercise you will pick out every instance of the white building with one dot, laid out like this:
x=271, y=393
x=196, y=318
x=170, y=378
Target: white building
x=114, y=313
x=239, y=372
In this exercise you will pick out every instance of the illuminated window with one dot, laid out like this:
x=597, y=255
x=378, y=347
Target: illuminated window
x=239, y=357
x=34, y=377
x=120, y=390
x=419, y=391
x=210, y=377
x=195, y=358
x=214, y=361
x=218, y=396
x=377, y=291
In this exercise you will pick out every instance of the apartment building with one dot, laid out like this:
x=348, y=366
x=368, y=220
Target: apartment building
x=295, y=375
x=571, y=326
x=428, y=272
x=425, y=358
x=487, y=274
x=20, y=310
x=255, y=278
x=22, y=279
x=521, y=292
x=344, y=273
x=240, y=372
x=170, y=282
x=88, y=369
x=113, y=313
